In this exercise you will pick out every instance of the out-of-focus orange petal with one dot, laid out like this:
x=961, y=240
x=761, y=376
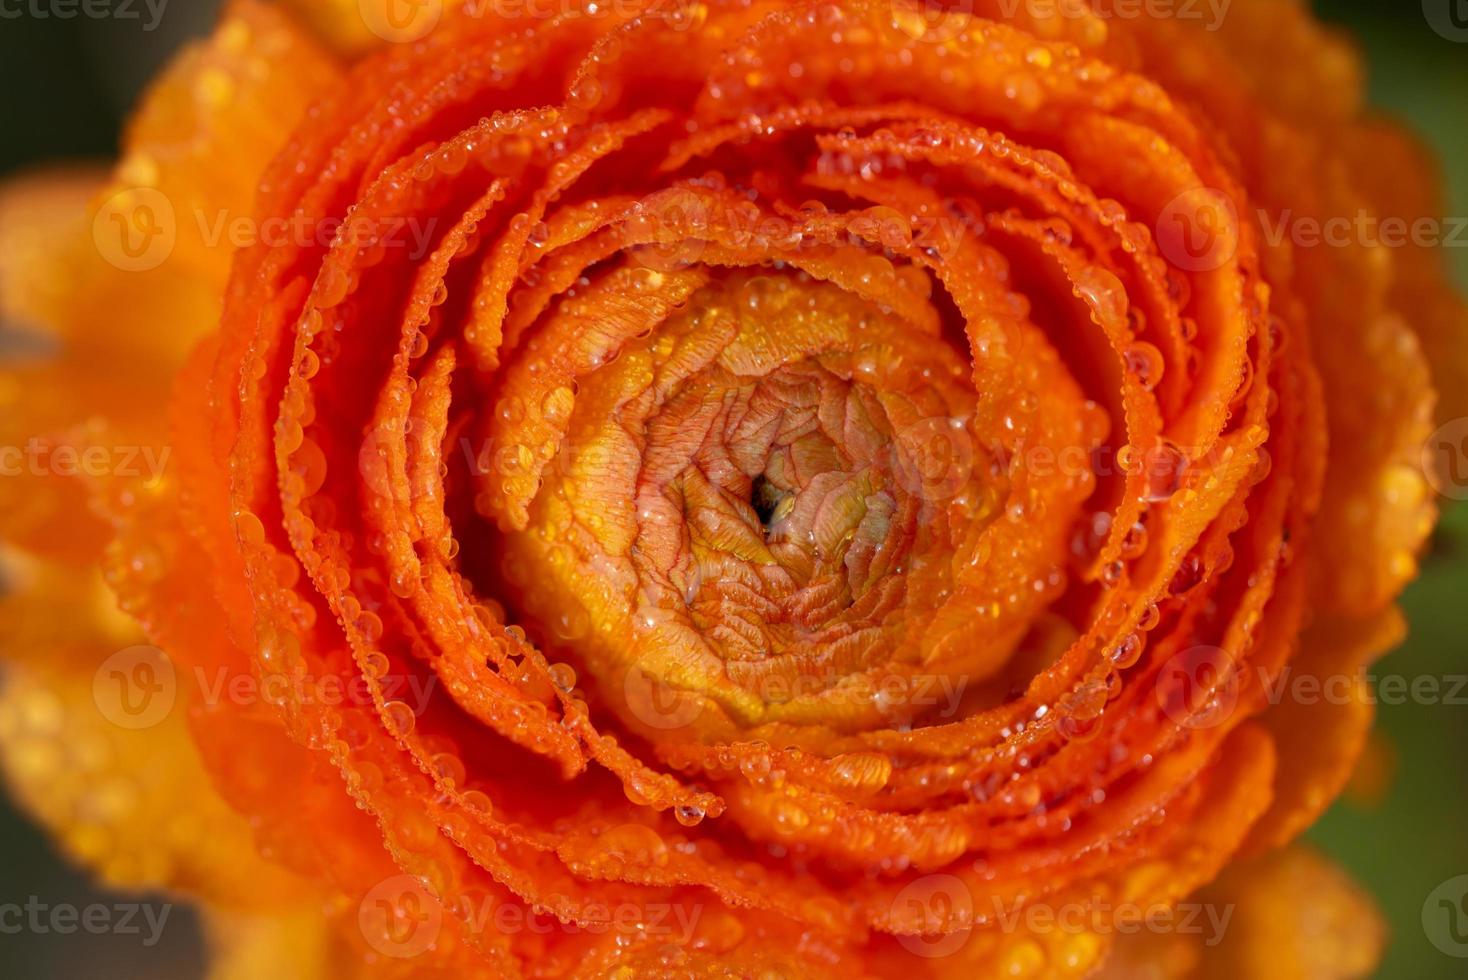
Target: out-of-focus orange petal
x=354, y=27
x=1289, y=92
x=1321, y=709
x=87, y=347
x=110, y=291
x=280, y=942
x=41, y=214
x=122, y=792
x=768, y=460
x=1295, y=916
x=1291, y=914
x=1162, y=954
x=205, y=130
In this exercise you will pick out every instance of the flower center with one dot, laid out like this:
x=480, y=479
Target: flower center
x=769, y=502
x=745, y=499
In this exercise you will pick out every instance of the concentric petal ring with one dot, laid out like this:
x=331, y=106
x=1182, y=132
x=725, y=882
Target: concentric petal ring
x=837, y=466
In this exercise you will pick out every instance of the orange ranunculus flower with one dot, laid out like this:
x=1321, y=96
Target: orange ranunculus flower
x=753, y=489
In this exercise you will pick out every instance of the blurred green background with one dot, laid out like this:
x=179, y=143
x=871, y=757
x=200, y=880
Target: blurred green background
x=67, y=86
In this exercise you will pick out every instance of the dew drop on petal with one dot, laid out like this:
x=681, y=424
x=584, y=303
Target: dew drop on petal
x=399, y=717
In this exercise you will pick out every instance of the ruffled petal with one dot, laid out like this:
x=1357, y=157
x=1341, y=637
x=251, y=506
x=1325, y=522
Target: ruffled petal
x=749, y=488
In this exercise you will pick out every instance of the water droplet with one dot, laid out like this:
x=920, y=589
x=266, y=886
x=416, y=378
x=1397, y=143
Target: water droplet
x=308, y=364
x=1105, y=294
x=563, y=676
x=1144, y=362
x=1127, y=651
x=1165, y=465
x=399, y=717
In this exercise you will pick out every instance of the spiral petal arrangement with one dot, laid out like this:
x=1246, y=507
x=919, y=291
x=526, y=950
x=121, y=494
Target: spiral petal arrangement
x=822, y=473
